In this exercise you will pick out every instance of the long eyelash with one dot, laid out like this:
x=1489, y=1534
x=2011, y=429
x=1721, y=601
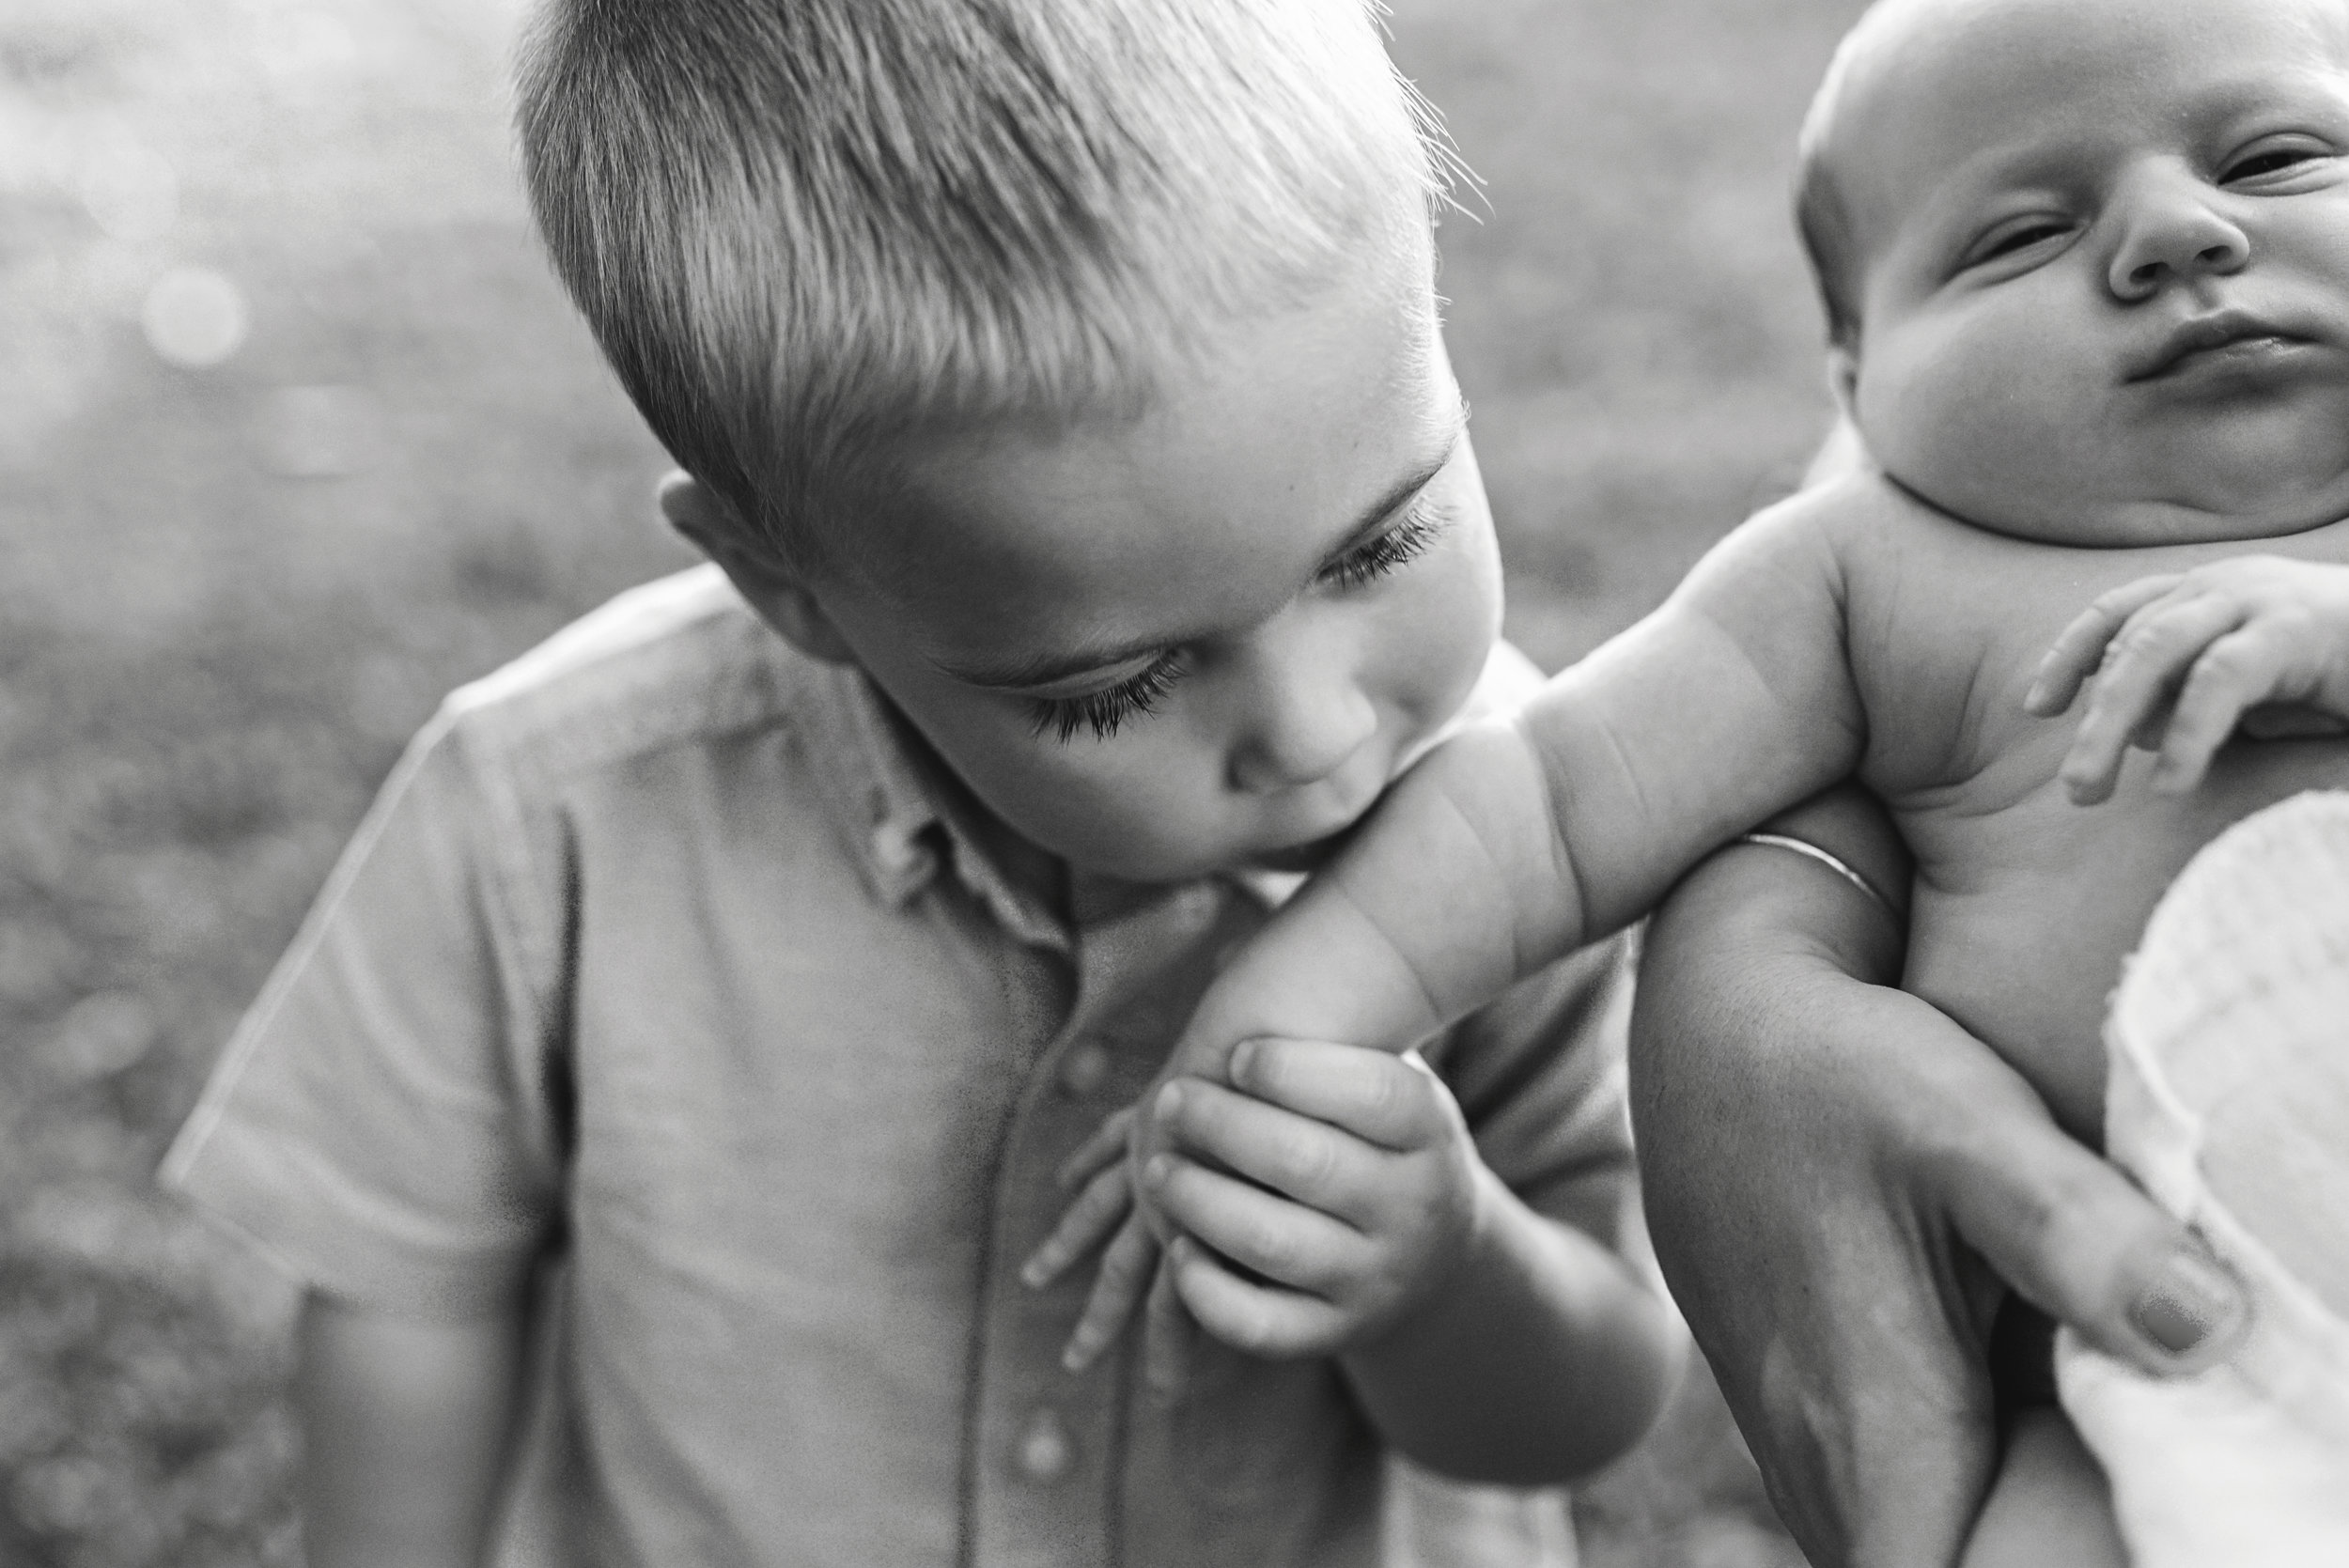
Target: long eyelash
x=1375, y=558
x=1103, y=711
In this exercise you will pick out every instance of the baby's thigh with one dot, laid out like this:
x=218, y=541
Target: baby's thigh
x=2048, y=1507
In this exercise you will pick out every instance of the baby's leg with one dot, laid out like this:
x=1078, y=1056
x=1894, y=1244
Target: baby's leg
x=2049, y=1506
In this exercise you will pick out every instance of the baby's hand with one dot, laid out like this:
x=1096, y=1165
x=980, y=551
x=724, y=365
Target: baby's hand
x=2176, y=662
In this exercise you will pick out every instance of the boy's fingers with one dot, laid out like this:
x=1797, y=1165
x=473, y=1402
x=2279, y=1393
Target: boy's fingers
x=1125, y=1270
x=1375, y=1095
x=2079, y=648
x=1258, y=1319
x=1167, y=1330
x=1082, y=1226
x=2077, y=1239
x=1283, y=1241
x=1106, y=1146
x=1311, y=1161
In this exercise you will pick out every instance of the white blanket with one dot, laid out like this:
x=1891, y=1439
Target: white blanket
x=2229, y=1101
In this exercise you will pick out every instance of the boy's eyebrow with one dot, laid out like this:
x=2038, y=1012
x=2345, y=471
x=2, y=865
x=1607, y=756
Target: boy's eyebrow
x=1046, y=669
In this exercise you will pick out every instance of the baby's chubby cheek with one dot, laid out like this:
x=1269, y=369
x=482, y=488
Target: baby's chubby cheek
x=1999, y=439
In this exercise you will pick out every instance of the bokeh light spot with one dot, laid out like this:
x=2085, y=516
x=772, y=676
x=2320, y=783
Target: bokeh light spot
x=194, y=316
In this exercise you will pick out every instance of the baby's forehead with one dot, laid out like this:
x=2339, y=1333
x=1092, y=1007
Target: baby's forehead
x=1923, y=87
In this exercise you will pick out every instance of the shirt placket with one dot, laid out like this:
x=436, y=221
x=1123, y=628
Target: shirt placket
x=1045, y=1469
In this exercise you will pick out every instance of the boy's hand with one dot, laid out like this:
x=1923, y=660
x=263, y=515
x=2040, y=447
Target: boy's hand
x=1314, y=1203
x=2176, y=662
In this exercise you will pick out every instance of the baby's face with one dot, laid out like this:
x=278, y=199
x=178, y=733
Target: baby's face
x=1210, y=636
x=2103, y=276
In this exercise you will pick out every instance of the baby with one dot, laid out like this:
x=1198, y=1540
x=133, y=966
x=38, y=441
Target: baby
x=2087, y=270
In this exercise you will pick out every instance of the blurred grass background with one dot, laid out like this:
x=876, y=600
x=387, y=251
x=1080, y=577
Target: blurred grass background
x=296, y=433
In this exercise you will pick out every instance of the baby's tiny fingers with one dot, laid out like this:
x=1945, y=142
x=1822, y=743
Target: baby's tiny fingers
x=1106, y=1146
x=2234, y=675
x=2146, y=664
x=1082, y=1226
x=2079, y=648
x=1116, y=1291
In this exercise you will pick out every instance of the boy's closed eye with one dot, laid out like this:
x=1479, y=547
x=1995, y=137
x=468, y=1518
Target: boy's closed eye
x=1104, y=710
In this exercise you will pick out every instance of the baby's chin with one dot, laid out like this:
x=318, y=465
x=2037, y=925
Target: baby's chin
x=2268, y=472
x=2102, y=521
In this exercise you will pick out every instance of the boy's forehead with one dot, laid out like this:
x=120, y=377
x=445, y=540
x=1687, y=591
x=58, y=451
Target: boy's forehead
x=1935, y=86
x=1013, y=544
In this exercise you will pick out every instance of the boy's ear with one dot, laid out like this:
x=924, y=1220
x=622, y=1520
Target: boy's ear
x=778, y=593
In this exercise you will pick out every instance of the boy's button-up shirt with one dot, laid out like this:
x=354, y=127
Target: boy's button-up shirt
x=669, y=984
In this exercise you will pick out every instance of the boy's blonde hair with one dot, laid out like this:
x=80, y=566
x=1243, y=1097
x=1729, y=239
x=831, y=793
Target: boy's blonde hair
x=801, y=226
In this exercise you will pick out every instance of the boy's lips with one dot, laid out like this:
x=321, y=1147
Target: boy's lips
x=2234, y=336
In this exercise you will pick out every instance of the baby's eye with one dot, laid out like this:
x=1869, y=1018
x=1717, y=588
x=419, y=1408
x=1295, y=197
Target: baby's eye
x=1375, y=558
x=2015, y=235
x=2271, y=157
x=1103, y=711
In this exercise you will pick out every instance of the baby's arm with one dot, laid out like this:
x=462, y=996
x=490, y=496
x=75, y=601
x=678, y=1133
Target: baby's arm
x=1518, y=841
x=2175, y=663
x=406, y=1426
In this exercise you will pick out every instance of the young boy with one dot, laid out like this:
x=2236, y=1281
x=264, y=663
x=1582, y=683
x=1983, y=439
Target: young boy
x=675, y=1071
x=2087, y=264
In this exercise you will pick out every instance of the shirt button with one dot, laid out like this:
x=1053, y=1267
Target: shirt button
x=1083, y=1070
x=1045, y=1450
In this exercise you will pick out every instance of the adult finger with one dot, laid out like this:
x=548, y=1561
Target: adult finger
x=1106, y=1146
x=1261, y=1320
x=1309, y=1161
x=1284, y=1241
x=2079, y=647
x=1375, y=1095
x=1116, y=1290
x=1082, y=1226
x=2077, y=1239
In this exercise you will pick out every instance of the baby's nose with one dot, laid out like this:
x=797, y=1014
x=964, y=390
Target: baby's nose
x=2174, y=233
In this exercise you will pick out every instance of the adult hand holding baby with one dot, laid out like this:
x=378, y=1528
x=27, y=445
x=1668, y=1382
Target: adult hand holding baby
x=1837, y=1175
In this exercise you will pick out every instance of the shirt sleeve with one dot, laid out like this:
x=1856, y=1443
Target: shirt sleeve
x=381, y=1121
x=1540, y=1077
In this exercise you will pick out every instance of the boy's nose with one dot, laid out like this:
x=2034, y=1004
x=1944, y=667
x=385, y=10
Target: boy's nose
x=2173, y=234
x=1306, y=714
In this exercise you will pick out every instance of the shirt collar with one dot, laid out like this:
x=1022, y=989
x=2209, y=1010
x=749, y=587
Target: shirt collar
x=914, y=819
